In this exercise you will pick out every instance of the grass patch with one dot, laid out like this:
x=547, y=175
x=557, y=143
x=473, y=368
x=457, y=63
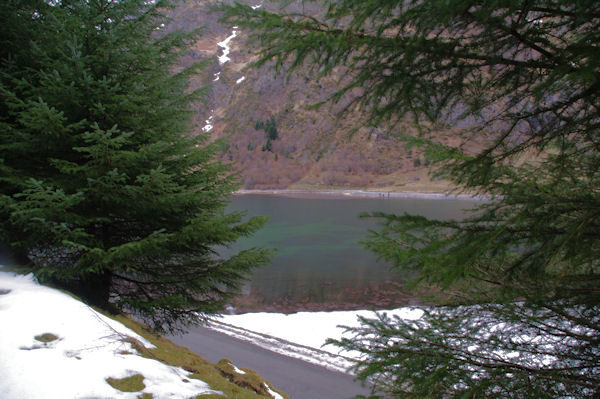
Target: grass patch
x=134, y=383
x=169, y=353
x=250, y=379
x=46, y=337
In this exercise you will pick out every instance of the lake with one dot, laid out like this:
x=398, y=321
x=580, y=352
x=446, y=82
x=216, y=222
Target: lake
x=319, y=263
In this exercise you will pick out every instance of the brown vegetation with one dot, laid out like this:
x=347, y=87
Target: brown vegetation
x=314, y=147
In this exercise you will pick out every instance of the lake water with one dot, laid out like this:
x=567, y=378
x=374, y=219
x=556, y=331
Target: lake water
x=319, y=263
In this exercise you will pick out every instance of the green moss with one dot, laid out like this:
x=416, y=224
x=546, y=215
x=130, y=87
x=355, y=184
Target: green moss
x=46, y=337
x=250, y=379
x=168, y=352
x=134, y=383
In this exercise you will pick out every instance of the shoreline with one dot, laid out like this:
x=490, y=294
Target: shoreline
x=356, y=193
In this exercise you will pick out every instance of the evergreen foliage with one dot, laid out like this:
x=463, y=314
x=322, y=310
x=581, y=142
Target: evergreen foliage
x=103, y=191
x=270, y=128
x=519, y=277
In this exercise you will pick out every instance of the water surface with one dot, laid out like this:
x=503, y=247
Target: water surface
x=319, y=263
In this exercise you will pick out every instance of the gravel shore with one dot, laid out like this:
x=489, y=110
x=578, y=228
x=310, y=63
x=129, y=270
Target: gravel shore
x=341, y=194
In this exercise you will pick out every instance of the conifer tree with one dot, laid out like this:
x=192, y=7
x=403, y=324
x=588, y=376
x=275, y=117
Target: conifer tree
x=519, y=278
x=103, y=189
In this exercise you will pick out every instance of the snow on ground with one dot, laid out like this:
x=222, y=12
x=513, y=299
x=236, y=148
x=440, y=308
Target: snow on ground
x=208, y=123
x=225, y=46
x=271, y=392
x=310, y=328
x=89, y=348
x=303, y=335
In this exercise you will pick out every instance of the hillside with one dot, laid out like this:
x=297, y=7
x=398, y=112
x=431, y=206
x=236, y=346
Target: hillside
x=54, y=346
x=276, y=139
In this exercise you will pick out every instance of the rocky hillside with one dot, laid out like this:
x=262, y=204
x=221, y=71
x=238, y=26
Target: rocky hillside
x=275, y=138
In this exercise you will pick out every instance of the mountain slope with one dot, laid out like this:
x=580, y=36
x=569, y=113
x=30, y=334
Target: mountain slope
x=313, y=147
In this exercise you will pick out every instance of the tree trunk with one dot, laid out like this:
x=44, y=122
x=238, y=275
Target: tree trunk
x=96, y=290
x=12, y=257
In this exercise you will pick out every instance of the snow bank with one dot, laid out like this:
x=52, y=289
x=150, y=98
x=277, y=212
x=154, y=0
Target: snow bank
x=303, y=335
x=225, y=46
x=310, y=329
x=88, y=348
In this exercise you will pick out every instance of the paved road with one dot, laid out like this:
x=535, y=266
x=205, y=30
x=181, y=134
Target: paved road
x=298, y=379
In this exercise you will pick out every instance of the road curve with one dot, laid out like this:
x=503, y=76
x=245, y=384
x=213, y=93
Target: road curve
x=298, y=379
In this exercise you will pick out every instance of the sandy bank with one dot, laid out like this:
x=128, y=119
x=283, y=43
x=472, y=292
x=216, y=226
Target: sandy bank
x=341, y=194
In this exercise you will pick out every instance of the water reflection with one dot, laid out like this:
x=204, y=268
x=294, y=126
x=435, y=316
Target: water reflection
x=319, y=263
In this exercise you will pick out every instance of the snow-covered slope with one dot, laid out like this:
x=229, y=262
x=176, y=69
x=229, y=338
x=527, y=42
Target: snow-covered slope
x=53, y=346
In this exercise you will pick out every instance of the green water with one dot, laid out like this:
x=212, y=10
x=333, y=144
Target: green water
x=319, y=258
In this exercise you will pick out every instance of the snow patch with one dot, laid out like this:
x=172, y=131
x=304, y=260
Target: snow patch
x=225, y=46
x=311, y=329
x=89, y=348
x=271, y=392
x=208, y=124
x=303, y=335
x=237, y=370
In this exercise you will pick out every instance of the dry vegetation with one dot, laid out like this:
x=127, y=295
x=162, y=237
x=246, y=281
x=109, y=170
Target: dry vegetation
x=314, y=148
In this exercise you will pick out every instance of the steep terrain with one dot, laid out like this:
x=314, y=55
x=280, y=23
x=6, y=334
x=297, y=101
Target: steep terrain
x=275, y=138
